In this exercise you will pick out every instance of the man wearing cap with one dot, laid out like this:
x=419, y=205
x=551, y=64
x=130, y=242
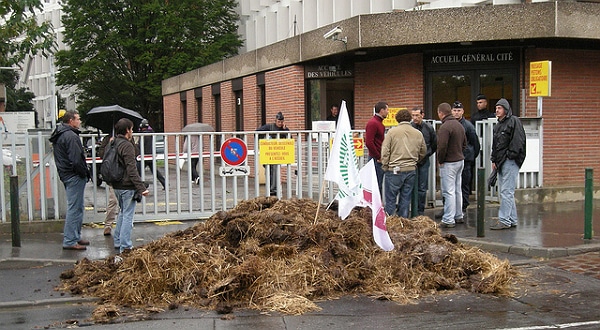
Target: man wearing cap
x=278, y=125
x=470, y=153
x=508, y=154
x=482, y=110
x=451, y=143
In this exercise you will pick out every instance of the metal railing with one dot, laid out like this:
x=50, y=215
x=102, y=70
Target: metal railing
x=41, y=193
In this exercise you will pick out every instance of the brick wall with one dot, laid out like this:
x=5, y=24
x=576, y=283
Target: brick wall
x=285, y=93
x=571, y=115
x=397, y=80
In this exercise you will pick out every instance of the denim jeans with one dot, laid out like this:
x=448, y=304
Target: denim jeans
x=379, y=173
x=122, y=234
x=423, y=184
x=74, y=188
x=507, y=180
x=450, y=176
x=398, y=187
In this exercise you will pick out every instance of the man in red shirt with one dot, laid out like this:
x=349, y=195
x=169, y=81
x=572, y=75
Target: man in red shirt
x=374, y=134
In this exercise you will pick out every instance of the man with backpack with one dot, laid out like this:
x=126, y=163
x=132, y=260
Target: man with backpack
x=130, y=188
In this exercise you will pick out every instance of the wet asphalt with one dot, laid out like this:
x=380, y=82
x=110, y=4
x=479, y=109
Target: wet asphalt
x=545, y=297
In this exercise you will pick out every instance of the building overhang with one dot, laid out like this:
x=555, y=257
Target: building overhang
x=554, y=24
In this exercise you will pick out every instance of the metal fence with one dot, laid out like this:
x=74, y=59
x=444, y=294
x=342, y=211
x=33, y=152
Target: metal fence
x=41, y=194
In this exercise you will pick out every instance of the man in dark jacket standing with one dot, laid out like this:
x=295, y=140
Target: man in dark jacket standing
x=451, y=143
x=69, y=156
x=129, y=190
x=374, y=134
x=508, y=154
x=423, y=166
x=274, y=169
x=470, y=153
x=482, y=110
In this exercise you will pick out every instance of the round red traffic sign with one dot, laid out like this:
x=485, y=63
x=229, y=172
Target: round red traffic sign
x=234, y=151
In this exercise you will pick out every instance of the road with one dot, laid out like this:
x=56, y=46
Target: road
x=544, y=297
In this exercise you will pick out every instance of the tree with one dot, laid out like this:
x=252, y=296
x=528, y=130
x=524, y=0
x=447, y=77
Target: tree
x=120, y=51
x=20, y=33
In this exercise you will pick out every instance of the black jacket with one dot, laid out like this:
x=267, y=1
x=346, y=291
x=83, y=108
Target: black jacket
x=509, y=138
x=69, y=154
x=473, y=146
x=430, y=139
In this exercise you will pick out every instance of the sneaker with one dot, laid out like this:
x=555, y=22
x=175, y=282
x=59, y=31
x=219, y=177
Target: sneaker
x=107, y=231
x=461, y=220
x=513, y=225
x=197, y=181
x=499, y=226
x=447, y=225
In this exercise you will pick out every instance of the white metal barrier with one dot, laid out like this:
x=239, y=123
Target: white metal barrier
x=41, y=193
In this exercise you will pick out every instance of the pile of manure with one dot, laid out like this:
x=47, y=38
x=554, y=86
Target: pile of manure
x=272, y=255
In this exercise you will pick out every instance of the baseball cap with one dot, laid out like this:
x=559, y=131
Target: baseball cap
x=481, y=97
x=457, y=105
x=279, y=116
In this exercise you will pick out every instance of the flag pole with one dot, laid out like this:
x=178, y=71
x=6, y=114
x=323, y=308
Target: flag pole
x=320, y=199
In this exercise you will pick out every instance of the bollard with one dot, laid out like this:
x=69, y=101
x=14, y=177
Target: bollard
x=481, y=182
x=414, y=201
x=15, y=221
x=589, y=196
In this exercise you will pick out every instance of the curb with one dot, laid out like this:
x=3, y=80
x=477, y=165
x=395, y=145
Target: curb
x=45, y=302
x=532, y=252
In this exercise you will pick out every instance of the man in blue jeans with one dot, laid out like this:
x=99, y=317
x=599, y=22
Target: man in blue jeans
x=129, y=190
x=508, y=154
x=403, y=147
x=423, y=165
x=451, y=143
x=69, y=156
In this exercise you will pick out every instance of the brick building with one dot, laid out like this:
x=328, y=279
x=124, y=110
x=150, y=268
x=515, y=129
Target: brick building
x=419, y=58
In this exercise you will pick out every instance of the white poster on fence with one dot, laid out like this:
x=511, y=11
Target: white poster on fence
x=16, y=121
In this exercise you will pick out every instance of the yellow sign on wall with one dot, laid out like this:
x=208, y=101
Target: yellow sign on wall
x=390, y=120
x=277, y=151
x=540, y=78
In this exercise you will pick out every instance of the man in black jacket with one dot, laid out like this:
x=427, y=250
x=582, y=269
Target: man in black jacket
x=471, y=152
x=482, y=110
x=508, y=154
x=69, y=156
x=278, y=125
x=423, y=166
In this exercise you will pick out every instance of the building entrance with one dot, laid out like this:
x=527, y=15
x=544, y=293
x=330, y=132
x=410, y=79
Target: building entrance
x=465, y=85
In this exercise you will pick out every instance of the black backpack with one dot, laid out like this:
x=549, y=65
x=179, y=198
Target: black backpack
x=112, y=169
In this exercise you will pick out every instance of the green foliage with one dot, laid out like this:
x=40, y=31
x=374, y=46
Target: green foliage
x=20, y=33
x=120, y=51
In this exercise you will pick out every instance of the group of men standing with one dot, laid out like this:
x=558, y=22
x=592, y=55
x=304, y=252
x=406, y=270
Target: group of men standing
x=402, y=158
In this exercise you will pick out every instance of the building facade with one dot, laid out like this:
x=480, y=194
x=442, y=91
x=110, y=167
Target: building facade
x=419, y=58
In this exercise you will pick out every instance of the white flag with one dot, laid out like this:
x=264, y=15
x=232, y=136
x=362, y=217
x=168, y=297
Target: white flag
x=342, y=166
x=372, y=198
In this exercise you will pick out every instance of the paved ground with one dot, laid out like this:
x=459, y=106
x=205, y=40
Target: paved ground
x=560, y=287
